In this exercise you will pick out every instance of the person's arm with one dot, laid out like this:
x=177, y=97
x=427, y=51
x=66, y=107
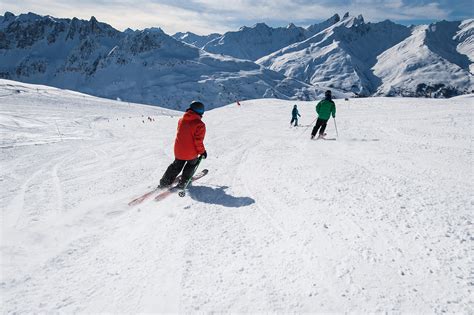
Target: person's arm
x=318, y=107
x=199, y=138
x=333, y=109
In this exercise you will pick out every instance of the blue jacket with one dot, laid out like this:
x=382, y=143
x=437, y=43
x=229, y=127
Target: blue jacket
x=294, y=113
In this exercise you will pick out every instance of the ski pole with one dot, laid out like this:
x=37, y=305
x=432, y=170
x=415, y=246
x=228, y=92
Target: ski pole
x=308, y=126
x=182, y=193
x=335, y=125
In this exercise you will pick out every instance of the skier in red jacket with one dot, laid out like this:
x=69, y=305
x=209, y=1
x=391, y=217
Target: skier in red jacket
x=188, y=146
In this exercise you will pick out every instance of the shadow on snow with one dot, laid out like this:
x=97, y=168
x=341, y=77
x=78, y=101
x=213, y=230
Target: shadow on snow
x=218, y=196
x=364, y=140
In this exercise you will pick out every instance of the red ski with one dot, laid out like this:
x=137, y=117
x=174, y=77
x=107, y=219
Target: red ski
x=144, y=197
x=175, y=188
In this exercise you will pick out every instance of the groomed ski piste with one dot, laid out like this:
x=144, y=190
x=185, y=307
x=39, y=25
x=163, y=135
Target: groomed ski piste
x=379, y=220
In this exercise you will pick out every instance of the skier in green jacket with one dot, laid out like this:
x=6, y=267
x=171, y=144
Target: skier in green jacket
x=325, y=109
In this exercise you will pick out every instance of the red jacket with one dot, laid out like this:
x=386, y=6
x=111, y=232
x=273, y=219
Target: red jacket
x=190, y=136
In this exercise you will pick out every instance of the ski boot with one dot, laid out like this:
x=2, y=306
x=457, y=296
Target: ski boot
x=322, y=135
x=181, y=185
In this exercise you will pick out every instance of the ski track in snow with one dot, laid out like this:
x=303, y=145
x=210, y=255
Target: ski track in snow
x=378, y=221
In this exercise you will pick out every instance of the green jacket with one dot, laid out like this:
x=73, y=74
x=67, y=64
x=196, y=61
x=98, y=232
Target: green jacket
x=325, y=109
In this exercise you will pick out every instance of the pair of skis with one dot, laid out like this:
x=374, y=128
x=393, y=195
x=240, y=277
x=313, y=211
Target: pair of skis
x=162, y=193
x=322, y=138
x=182, y=191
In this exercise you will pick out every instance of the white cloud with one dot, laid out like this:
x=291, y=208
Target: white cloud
x=123, y=14
x=398, y=11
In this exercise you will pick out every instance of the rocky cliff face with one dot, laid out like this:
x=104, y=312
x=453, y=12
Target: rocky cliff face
x=40, y=48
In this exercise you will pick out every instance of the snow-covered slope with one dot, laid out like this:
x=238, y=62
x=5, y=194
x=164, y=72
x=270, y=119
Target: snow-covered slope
x=340, y=56
x=196, y=40
x=378, y=221
x=260, y=40
x=143, y=66
x=435, y=59
x=465, y=38
x=254, y=42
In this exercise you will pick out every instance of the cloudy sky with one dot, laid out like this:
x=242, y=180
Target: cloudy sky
x=207, y=16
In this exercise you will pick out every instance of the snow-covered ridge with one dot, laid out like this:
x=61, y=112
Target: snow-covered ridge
x=254, y=42
x=53, y=124
x=465, y=37
x=432, y=61
x=260, y=40
x=196, y=40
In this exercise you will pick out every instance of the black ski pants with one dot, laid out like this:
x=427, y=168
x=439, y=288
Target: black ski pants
x=294, y=119
x=175, y=168
x=320, y=123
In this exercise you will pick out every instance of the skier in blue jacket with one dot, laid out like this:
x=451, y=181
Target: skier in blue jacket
x=294, y=115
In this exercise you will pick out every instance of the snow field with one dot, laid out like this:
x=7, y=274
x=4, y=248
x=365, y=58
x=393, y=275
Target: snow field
x=379, y=220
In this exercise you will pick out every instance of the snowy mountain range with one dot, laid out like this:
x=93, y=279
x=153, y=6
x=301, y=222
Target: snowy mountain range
x=382, y=58
x=148, y=66
x=436, y=58
x=260, y=40
x=340, y=56
x=145, y=66
x=349, y=54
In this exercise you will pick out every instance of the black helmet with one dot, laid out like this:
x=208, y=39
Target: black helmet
x=197, y=107
x=327, y=93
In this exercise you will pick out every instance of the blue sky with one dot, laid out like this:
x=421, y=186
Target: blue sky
x=207, y=16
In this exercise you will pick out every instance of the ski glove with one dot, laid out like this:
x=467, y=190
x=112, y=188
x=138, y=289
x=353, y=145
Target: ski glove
x=204, y=155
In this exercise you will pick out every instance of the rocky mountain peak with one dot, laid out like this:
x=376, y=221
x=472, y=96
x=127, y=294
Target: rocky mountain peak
x=260, y=26
x=8, y=16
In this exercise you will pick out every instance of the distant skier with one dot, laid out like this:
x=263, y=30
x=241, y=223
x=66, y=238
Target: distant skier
x=188, y=146
x=294, y=116
x=325, y=109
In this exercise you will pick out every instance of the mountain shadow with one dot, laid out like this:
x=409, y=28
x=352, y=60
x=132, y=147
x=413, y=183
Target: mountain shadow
x=440, y=40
